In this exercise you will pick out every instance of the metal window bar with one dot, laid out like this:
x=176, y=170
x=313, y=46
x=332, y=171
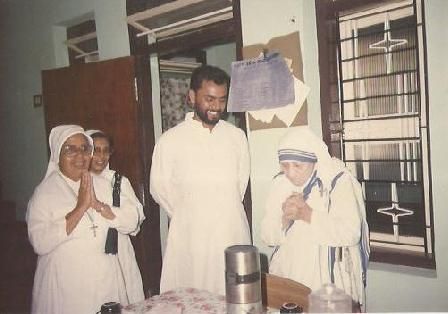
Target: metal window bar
x=389, y=117
x=381, y=96
x=379, y=75
x=375, y=54
x=378, y=88
x=363, y=15
x=368, y=34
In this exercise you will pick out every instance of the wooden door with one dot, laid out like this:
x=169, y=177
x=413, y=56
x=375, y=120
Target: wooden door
x=102, y=95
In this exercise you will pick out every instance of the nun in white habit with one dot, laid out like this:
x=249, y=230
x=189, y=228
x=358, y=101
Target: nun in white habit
x=315, y=218
x=68, y=217
x=125, y=196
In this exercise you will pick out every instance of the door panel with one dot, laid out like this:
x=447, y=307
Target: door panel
x=101, y=95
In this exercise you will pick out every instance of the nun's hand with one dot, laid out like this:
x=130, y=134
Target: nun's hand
x=295, y=208
x=104, y=210
x=101, y=207
x=84, y=192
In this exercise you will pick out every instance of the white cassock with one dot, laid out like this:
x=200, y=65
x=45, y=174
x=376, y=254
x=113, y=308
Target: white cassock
x=73, y=273
x=126, y=253
x=200, y=177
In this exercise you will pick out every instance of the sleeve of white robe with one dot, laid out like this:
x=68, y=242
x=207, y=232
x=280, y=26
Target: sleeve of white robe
x=271, y=224
x=45, y=231
x=244, y=165
x=160, y=177
x=341, y=225
x=126, y=217
x=127, y=196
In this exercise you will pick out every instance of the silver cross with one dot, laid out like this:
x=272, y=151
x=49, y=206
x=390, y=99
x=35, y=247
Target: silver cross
x=94, y=227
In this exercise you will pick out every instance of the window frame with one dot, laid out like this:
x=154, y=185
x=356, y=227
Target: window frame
x=327, y=12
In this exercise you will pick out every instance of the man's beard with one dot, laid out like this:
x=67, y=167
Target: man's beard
x=204, y=118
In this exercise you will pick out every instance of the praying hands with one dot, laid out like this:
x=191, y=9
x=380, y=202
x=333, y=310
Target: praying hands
x=295, y=208
x=86, y=199
x=87, y=194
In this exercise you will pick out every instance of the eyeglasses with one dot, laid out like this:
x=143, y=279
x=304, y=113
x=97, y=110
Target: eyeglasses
x=72, y=150
x=106, y=151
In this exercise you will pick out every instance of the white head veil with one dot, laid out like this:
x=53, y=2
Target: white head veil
x=90, y=132
x=305, y=142
x=57, y=138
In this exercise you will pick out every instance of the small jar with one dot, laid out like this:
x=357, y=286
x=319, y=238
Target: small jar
x=111, y=308
x=290, y=307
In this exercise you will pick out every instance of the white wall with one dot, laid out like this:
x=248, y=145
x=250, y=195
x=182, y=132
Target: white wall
x=390, y=288
x=32, y=34
x=222, y=56
x=261, y=21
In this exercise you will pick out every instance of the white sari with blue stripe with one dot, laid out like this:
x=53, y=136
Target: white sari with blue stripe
x=334, y=246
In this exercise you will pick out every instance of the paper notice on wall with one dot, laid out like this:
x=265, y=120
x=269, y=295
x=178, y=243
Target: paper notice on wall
x=264, y=82
x=286, y=113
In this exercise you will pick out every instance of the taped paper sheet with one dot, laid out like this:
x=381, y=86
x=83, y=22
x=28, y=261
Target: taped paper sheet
x=286, y=113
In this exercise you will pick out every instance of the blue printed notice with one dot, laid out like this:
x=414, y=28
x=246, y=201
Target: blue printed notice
x=260, y=83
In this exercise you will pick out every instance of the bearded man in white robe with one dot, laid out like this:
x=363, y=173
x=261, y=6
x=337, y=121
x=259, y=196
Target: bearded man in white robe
x=199, y=174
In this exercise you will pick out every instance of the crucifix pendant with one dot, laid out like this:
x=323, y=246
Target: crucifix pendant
x=94, y=227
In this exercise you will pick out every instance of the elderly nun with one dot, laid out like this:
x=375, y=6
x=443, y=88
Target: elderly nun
x=315, y=218
x=68, y=217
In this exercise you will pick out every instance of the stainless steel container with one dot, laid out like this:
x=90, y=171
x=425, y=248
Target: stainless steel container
x=243, y=285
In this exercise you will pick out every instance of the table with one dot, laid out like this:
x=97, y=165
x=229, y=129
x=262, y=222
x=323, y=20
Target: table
x=180, y=301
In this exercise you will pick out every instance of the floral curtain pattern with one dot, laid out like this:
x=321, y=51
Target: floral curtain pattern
x=173, y=99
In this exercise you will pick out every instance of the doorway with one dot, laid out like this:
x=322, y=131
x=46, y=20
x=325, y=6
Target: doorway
x=211, y=43
x=170, y=75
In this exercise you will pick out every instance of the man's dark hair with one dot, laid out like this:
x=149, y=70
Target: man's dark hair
x=208, y=73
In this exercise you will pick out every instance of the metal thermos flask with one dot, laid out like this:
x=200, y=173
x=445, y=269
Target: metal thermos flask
x=243, y=285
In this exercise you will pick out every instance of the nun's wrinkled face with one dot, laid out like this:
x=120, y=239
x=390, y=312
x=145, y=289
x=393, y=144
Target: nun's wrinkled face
x=75, y=156
x=298, y=172
x=101, y=154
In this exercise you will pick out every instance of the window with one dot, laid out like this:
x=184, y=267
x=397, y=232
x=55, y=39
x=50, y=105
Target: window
x=82, y=42
x=171, y=18
x=377, y=122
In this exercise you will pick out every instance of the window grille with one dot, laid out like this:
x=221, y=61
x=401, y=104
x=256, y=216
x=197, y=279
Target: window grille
x=379, y=125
